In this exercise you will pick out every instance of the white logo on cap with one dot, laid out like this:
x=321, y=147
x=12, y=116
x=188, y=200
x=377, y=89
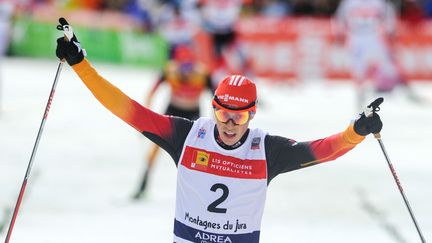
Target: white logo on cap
x=228, y=97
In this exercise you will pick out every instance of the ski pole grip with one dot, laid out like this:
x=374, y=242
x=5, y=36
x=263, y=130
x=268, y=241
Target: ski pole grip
x=66, y=28
x=67, y=31
x=371, y=109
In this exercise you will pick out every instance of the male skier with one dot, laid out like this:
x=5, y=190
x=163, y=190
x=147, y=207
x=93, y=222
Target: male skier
x=224, y=167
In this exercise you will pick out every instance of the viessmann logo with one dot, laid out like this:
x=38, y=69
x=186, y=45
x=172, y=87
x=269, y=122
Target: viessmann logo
x=227, y=98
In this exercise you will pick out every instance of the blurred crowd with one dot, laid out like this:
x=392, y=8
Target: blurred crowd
x=149, y=12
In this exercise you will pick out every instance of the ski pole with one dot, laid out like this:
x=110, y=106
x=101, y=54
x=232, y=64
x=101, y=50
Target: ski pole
x=372, y=108
x=30, y=164
x=68, y=34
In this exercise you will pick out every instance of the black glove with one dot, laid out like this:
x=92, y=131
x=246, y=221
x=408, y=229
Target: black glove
x=69, y=49
x=366, y=125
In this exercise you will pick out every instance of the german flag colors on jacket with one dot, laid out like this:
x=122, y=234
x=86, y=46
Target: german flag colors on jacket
x=220, y=192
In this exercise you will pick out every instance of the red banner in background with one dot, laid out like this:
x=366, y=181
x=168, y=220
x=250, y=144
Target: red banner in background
x=303, y=48
x=414, y=50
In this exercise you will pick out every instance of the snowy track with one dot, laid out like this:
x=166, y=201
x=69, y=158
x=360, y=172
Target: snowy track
x=89, y=163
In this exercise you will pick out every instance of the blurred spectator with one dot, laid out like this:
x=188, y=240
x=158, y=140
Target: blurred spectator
x=176, y=27
x=218, y=19
x=234, y=59
x=368, y=26
x=302, y=7
x=6, y=12
x=140, y=10
x=323, y=8
x=188, y=8
x=411, y=12
x=427, y=7
x=273, y=8
x=115, y=5
x=188, y=79
x=86, y=4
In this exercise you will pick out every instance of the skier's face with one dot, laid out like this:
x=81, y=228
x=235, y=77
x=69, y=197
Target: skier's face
x=230, y=132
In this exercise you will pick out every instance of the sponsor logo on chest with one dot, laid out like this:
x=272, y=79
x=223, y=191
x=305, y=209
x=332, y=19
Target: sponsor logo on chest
x=218, y=164
x=201, y=133
x=256, y=143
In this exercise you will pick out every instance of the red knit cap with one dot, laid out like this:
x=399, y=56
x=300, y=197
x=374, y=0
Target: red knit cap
x=235, y=93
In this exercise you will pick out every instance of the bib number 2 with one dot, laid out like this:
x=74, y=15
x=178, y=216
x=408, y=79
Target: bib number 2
x=213, y=207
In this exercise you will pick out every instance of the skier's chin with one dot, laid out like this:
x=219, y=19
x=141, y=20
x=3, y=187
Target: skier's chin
x=229, y=138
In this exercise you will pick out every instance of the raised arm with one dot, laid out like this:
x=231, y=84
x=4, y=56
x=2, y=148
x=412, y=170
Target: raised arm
x=168, y=132
x=127, y=109
x=285, y=155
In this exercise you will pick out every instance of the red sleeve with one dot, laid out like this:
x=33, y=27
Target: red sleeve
x=284, y=155
x=334, y=146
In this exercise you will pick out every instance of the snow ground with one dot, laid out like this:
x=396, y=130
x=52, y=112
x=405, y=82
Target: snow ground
x=89, y=163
